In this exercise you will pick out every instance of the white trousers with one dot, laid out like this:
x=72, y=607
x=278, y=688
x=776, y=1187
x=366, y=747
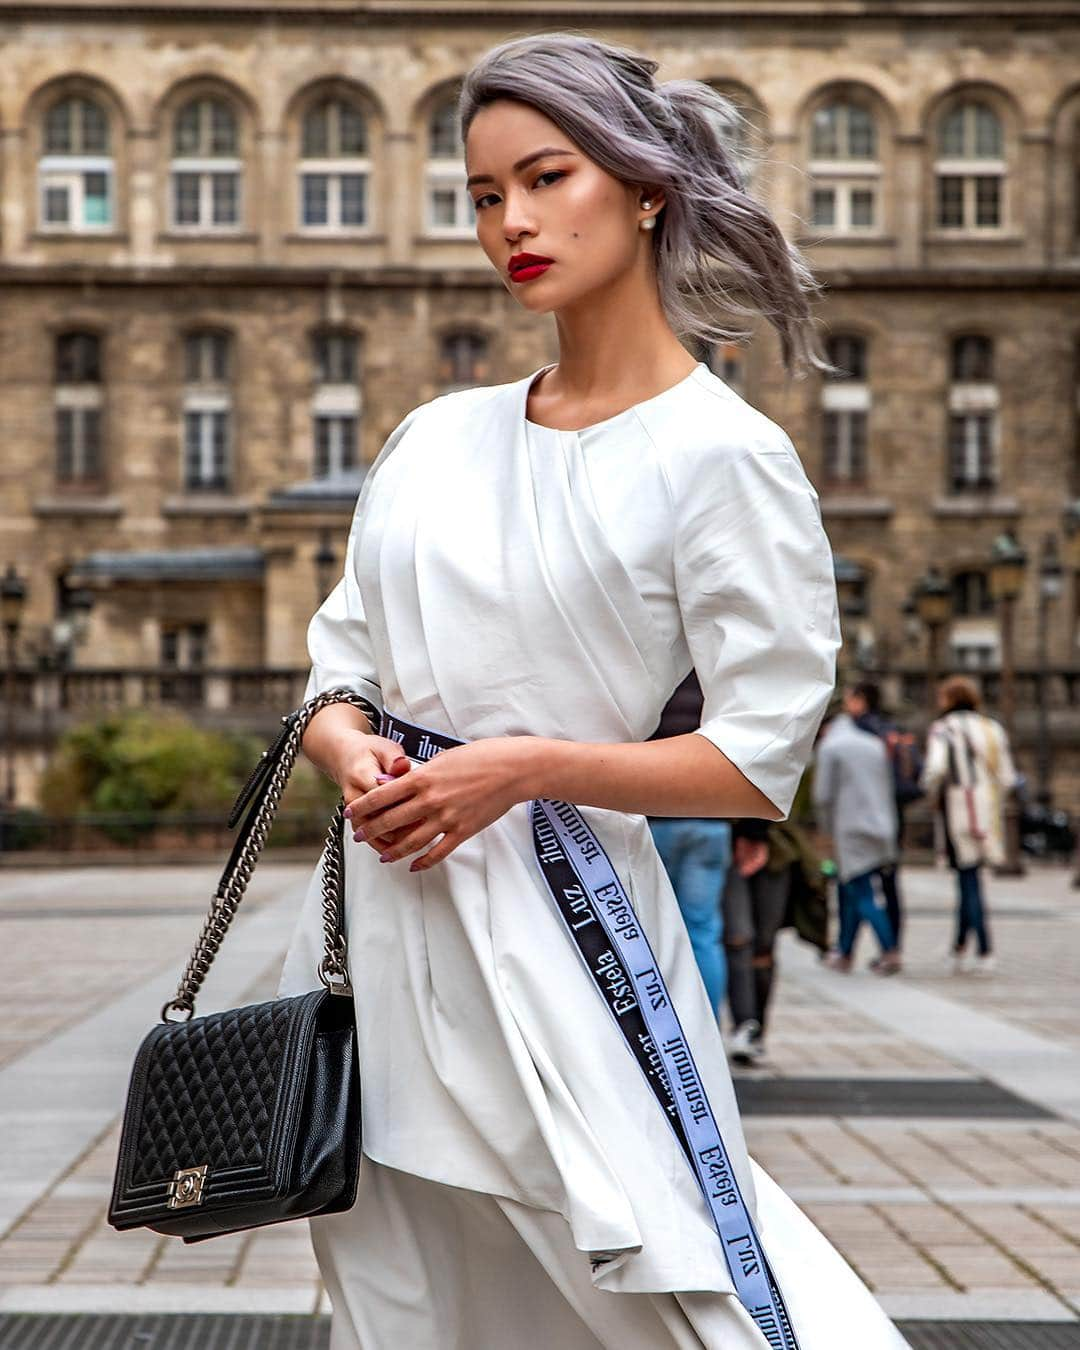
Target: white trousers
x=417, y=1265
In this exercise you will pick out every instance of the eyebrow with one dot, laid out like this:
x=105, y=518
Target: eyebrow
x=521, y=164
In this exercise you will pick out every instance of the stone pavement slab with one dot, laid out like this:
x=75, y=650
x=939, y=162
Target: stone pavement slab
x=948, y=1217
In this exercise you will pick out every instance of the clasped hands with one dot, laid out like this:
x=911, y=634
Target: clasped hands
x=399, y=807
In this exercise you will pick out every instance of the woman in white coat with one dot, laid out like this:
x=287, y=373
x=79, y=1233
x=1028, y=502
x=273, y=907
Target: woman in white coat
x=969, y=769
x=553, y=1157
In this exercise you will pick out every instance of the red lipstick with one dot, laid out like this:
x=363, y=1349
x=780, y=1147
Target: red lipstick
x=525, y=266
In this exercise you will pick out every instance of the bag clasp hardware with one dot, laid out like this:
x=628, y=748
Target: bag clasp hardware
x=186, y=1187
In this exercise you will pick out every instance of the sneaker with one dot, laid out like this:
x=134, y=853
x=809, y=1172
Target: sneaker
x=745, y=1046
x=984, y=965
x=958, y=963
x=888, y=963
x=837, y=961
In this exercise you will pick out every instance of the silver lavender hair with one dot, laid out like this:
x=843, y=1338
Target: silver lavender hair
x=674, y=136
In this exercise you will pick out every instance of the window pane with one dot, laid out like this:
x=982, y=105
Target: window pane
x=316, y=204
x=462, y=358
x=443, y=139
x=57, y=206
x=91, y=437
x=58, y=128
x=857, y=431
x=825, y=138
x=322, y=447
x=65, y=444
x=219, y=445
x=95, y=199
x=862, y=140
x=950, y=200
x=823, y=206
x=353, y=199
x=862, y=207
x=186, y=130
x=186, y=198
x=218, y=344
x=987, y=133
x=988, y=200
x=225, y=198
x=848, y=351
x=442, y=206
x=347, y=442
x=78, y=358
x=352, y=130
x=972, y=358
x=951, y=134
x=222, y=128
x=317, y=131
x=95, y=128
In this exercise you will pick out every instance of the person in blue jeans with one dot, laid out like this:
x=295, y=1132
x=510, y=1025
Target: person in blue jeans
x=696, y=854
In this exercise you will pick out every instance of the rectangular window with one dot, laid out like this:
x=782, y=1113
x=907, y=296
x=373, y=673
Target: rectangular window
x=335, y=358
x=444, y=206
x=316, y=198
x=845, y=445
x=823, y=207
x=186, y=198
x=57, y=209
x=96, y=199
x=862, y=208
x=353, y=199
x=971, y=451
x=988, y=200
x=335, y=445
x=225, y=198
x=78, y=444
x=206, y=448
x=950, y=201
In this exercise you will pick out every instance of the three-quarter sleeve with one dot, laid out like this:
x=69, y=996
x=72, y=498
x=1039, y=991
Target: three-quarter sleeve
x=757, y=594
x=338, y=640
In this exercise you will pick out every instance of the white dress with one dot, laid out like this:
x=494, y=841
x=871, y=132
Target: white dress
x=505, y=578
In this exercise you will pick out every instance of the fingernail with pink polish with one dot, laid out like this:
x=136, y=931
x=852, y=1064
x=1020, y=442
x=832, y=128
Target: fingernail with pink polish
x=384, y=857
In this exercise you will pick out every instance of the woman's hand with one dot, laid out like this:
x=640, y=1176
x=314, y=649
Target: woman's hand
x=456, y=794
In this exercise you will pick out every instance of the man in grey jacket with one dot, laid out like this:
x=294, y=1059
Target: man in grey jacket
x=855, y=805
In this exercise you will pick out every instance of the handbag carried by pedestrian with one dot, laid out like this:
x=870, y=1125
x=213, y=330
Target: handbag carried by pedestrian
x=249, y=1116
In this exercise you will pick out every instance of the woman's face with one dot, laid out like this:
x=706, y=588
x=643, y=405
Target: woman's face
x=557, y=204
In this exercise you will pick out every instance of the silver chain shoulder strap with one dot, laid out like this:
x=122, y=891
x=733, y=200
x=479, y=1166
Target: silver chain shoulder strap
x=265, y=788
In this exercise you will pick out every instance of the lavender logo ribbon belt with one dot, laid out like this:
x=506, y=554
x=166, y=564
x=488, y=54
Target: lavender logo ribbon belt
x=604, y=927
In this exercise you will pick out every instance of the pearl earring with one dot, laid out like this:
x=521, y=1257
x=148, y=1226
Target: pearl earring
x=649, y=223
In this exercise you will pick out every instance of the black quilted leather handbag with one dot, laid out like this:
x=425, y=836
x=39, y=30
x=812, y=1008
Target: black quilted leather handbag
x=249, y=1116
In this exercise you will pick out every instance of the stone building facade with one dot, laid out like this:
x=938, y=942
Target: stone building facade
x=236, y=247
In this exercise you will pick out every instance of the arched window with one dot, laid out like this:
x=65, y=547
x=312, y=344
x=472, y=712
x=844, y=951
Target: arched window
x=78, y=403
x=973, y=415
x=449, y=207
x=463, y=360
x=207, y=411
x=336, y=404
x=970, y=167
x=206, y=166
x=334, y=167
x=845, y=409
x=844, y=169
x=75, y=172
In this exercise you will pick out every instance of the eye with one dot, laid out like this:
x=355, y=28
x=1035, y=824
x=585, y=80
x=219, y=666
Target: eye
x=478, y=203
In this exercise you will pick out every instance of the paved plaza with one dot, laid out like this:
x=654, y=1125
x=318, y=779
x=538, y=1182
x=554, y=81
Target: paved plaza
x=928, y=1123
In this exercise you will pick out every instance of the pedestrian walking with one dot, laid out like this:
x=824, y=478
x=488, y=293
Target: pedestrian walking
x=862, y=701
x=969, y=768
x=853, y=796
x=775, y=881
x=696, y=853
x=552, y=1153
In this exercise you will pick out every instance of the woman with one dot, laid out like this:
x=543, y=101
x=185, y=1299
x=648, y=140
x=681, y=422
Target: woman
x=969, y=768
x=531, y=570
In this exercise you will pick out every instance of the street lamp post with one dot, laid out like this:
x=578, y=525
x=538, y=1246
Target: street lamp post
x=1050, y=587
x=1008, y=561
x=932, y=602
x=12, y=599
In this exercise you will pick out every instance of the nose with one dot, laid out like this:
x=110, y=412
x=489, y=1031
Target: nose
x=517, y=216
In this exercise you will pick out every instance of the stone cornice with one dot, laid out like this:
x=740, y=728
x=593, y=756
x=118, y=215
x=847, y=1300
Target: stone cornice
x=1064, y=278
x=498, y=12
